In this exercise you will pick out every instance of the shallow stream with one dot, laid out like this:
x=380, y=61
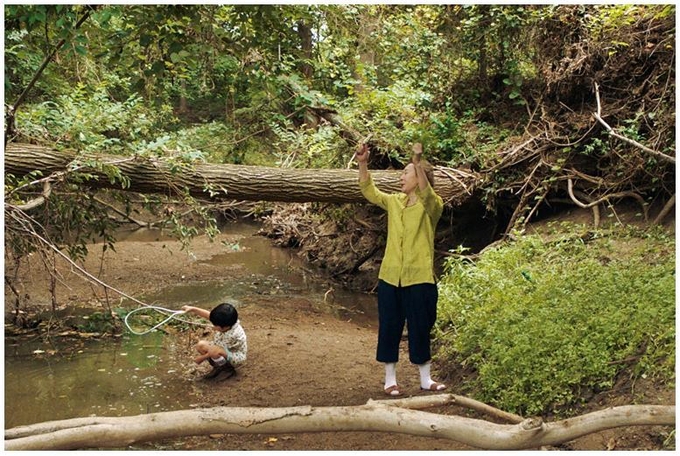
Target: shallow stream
x=130, y=375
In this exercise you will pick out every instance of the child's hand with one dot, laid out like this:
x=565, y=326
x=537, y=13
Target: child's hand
x=187, y=308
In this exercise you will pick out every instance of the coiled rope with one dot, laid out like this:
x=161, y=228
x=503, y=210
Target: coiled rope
x=172, y=314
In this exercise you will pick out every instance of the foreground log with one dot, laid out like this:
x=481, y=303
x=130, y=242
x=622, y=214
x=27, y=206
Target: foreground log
x=375, y=416
x=224, y=182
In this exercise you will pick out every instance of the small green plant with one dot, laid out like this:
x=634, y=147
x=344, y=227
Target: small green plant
x=539, y=322
x=98, y=322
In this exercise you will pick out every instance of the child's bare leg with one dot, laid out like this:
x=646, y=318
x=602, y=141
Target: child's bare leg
x=203, y=348
x=214, y=355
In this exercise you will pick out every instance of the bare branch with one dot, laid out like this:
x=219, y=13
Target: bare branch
x=638, y=198
x=612, y=132
x=123, y=214
x=39, y=201
x=51, y=246
x=666, y=209
x=113, y=432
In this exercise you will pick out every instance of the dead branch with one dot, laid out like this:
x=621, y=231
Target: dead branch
x=375, y=416
x=612, y=132
x=423, y=402
x=638, y=198
x=123, y=214
x=666, y=209
x=28, y=228
x=39, y=201
x=596, y=208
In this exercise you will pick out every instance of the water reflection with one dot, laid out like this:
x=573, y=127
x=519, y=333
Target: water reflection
x=105, y=378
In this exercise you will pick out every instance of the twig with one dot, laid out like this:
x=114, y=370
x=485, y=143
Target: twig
x=446, y=172
x=122, y=213
x=612, y=132
x=75, y=265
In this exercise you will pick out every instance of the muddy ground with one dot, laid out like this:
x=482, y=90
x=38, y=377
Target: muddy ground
x=299, y=354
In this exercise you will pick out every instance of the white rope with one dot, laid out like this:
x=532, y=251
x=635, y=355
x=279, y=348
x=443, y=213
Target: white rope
x=171, y=314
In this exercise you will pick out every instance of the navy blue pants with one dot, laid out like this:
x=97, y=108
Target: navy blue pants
x=416, y=306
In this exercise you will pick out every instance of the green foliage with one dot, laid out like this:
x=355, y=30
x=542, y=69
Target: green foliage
x=99, y=322
x=540, y=322
x=320, y=148
x=462, y=140
x=610, y=18
x=91, y=120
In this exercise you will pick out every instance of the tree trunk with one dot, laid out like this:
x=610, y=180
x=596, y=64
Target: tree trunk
x=307, y=44
x=375, y=416
x=223, y=182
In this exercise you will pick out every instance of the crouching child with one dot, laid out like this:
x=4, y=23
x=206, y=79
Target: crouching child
x=229, y=346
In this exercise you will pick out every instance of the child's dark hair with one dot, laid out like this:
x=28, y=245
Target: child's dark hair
x=224, y=315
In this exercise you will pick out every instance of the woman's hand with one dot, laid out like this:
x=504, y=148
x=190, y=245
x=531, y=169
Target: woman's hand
x=362, y=153
x=417, y=152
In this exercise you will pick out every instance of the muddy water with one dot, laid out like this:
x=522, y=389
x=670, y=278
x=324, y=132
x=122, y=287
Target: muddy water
x=134, y=374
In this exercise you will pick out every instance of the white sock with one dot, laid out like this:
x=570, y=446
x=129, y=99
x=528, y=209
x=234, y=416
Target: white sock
x=425, y=379
x=219, y=361
x=390, y=374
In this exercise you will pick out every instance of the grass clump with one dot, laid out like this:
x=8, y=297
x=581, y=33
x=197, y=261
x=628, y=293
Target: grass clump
x=539, y=322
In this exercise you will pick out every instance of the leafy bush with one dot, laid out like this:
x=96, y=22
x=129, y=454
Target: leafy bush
x=540, y=322
x=92, y=121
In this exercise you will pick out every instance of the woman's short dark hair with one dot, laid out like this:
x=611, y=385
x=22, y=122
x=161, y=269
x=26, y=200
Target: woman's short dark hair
x=224, y=315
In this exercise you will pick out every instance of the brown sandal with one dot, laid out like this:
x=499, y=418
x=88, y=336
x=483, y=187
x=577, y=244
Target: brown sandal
x=393, y=391
x=435, y=387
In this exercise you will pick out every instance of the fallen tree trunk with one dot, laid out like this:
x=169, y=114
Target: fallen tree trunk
x=375, y=416
x=224, y=182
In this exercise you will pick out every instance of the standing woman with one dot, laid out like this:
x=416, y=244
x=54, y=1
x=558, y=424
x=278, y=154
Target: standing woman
x=407, y=292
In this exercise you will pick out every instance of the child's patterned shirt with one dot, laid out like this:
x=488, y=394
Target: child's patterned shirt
x=234, y=343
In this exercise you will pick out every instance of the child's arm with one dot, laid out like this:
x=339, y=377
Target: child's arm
x=197, y=311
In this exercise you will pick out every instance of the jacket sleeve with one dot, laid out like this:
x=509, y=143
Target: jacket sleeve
x=434, y=205
x=373, y=194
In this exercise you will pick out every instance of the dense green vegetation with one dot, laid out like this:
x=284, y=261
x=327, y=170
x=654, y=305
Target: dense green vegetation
x=541, y=321
x=507, y=91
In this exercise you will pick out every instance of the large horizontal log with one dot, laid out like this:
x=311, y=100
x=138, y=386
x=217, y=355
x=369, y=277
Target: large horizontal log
x=224, y=182
x=375, y=416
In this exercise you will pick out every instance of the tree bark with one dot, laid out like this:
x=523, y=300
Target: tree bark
x=225, y=182
x=375, y=416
